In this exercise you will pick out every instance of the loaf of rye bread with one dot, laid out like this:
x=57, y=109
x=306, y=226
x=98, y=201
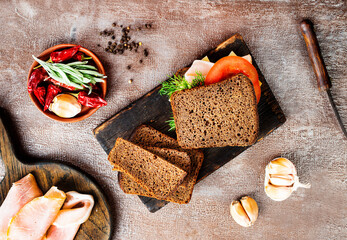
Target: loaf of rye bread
x=216, y=115
x=152, y=172
x=149, y=136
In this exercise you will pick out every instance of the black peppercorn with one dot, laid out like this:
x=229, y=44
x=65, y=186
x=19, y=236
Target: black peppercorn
x=141, y=61
x=113, y=37
x=129, y=67
x=145, y=52
x=114, y=24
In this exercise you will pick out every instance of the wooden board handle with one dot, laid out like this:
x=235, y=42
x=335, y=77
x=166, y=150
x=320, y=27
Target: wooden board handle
x=6, y=150
x=315, y=55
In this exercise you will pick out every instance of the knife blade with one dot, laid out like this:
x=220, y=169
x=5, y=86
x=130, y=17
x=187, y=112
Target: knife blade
x=323, y=80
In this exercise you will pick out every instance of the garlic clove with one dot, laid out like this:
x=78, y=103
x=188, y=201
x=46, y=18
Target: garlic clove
x=65, y=106
x=278, y=193
x=281, y=166
x=282, y=180
x=239, y=214
x=251, y=208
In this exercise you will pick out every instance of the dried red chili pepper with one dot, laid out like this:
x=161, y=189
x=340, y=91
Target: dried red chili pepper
x=36, y=77
x=92, y=100
x=64, y=55
x=40, y=94
x=96, y=88
x=52, y=91
x=55, y=82
x=80, y=57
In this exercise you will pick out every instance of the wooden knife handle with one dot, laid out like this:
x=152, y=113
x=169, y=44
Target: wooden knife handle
x=315, y=55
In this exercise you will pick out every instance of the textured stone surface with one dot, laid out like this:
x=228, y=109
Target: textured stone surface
x=183, y=31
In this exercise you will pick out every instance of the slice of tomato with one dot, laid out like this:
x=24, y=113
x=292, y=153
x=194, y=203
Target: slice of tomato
x=230, y=66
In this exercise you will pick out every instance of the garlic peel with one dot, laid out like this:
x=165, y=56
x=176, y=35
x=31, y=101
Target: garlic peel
x=245, y=211
x=251, y=208
x=281, y=166
x=281, y=179
x=239, y=214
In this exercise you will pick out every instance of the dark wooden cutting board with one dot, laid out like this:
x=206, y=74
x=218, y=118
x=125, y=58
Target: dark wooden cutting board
x=66, y=178
x=154, y=110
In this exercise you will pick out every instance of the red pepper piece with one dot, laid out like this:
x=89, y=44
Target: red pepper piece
x=80, y=57
x=55, y=82
x=36, y=77
x=52, y=91
x=92, y=100
x=64, y=55
x=95, y=87
x=40, y=94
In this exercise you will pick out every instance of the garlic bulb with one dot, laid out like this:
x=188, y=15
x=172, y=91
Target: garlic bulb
x=281, y=179
x=65, y=106
x=245, y=211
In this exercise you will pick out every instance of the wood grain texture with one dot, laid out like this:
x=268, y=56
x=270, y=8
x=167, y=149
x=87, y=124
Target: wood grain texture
x=154, y=110
x=66, y=178
x=182, y=31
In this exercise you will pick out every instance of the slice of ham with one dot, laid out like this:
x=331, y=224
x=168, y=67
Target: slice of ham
x=34, y=219
x=21, y=192
x=76, y=210
x=198, y=66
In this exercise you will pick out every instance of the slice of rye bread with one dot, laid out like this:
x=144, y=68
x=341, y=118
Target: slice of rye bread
x=217, y=115
x=153, y=173
x=151, y=137
x=177, y=158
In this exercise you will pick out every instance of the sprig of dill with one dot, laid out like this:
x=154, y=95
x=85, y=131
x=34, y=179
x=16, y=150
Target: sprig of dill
x=171, y=123
x=178, y=83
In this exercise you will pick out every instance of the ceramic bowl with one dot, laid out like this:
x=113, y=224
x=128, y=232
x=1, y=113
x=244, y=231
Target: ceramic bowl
x=86, y=111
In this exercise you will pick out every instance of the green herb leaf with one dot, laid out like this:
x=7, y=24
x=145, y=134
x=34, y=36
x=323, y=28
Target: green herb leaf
x=171, y=123
x=77, y=63
x=76, y=74
x=178, y=83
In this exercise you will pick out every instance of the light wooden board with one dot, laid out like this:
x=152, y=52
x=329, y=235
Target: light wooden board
x=66, y=178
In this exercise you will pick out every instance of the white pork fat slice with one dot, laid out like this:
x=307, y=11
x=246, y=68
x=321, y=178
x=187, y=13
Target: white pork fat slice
x=198, y=66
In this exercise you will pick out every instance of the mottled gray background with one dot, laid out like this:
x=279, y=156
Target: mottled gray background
x=183, y=31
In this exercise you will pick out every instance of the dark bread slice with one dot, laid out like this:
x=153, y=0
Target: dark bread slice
x=216, y=115
x=153, y=173
x=177, y=158
x=149, y=136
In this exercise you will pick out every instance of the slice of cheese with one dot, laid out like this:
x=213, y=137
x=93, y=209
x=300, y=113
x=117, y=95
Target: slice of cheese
x=205, y=59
